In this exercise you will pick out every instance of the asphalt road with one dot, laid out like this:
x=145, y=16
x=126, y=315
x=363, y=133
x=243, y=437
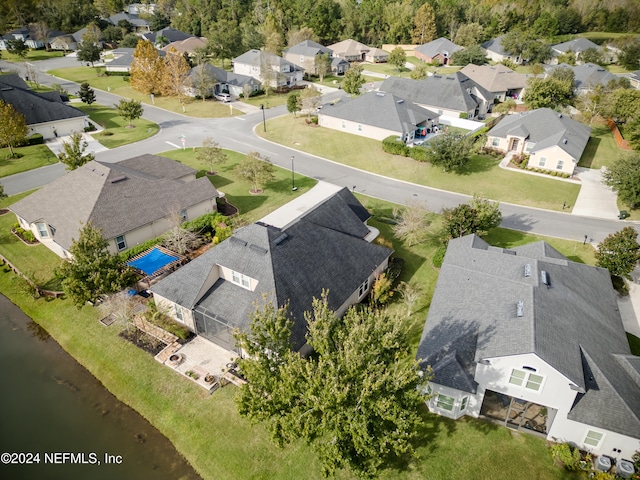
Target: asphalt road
x=237, y=133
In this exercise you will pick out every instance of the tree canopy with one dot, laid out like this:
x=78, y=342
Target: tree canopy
x=13, y=126
x=619, y=252
x=548, y=93
x=356, y=400
x=353, y=80
x=92, y=271
x=72, y=154
x=450, y=150
x=147, y=68
x=478, y=216
x=397, y=58
x=211, y=153
x=623, y=176
x=86, y=93
x=18, y=47
x=130, y=109
x=256, y=170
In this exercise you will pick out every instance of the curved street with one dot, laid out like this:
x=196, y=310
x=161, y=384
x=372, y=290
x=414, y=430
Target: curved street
x=237, y=133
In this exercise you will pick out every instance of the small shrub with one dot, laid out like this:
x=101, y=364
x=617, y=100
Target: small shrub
x=438, y=256
x=464, y=115
x=419, y=154
x=28, y=236
x=394, y=146
x=106, y=133
x=15, y=226
x=554, y=174
x=567, y=455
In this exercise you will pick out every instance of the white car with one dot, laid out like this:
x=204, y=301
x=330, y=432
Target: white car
x=223, y=97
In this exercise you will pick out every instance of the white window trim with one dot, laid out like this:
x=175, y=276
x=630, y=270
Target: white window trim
x=464, y=403
x=363, y=289
x=526, y=378
x=124, y=242
x=560, y=165
x=240, y=279
x=495, y=142
x=437, y=401
x=586, y=435
x=179, y=314
x=542, y=162
x=44, y=231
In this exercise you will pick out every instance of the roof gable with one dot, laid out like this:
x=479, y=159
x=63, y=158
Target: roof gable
x=495, y=78
x=440, y=45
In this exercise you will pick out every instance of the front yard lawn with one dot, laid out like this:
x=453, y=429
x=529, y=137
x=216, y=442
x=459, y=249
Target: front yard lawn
x=482, y=175
x=601, y=150
x=33, y=156
x=118, y=85
x=116, y=131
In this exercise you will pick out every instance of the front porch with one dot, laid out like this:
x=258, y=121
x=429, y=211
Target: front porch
x=516, y=413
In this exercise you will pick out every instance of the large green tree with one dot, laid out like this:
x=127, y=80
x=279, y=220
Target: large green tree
x=450, y=150
x=474, y=54
x=256, y=170
x=18, y=47
x=130, y=110
x=353, y=80
x=548, y=93
x=73, y=152
x=397, y=58
x=424, y=25
x=619, y=252
x=478, y=216
x=623, y=176
x=225, y=40
x=356, y=400
x=13, y=126
x=89, y=50
x=86, y=93
x=92, y=271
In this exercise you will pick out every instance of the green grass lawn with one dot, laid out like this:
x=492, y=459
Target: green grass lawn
x=387, y=69
x=32, y=56
x=117, y=132
x=33, y=156
x=601, y=150
x=269, y=101
x=482, y=175
x=222, y=445
x=118, y=85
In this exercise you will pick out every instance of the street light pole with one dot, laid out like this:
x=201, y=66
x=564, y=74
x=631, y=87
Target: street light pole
x=293, y=181
x=264, y=123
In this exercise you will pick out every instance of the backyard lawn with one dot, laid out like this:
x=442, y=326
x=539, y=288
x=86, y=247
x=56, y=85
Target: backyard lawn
x=118, y=85
x=482, y=175
x=117, y=132
x=33, y=156
x=601, y=150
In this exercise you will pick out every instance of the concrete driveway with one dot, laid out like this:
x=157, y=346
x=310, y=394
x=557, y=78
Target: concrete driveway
x=595, y=198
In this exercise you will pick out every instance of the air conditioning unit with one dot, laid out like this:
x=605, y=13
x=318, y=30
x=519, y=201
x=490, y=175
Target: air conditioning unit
x=624, y=469
x=603, y=463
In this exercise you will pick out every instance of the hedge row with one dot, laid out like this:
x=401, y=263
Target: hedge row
x=397, y=147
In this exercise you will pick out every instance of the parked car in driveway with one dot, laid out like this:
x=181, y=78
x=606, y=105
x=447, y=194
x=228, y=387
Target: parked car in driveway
x=223, y=97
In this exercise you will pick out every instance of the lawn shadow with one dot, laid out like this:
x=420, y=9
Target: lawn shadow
x=504, y=238
x=589, y=153
x=477, y=164
x=247, y=203
x=217, y=180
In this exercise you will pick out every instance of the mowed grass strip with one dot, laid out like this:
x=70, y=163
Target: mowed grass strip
x=482, y=175
x=33, y=156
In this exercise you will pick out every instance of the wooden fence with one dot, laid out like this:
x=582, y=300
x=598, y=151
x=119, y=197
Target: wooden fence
x=621, y=142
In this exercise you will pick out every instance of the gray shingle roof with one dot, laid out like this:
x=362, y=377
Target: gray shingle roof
x=258, y=57
x=308, y=48
x=295, y=267
x=443, y=91
x=495, y=45
x=576, y=45
x=115, y=197
x=574, y=326
x=170, y=33
x=381, y=110
x=495, y=78
x=35, y=107
x=545, y=128
x=589, y=75
x=439, y=45
x=223, y=76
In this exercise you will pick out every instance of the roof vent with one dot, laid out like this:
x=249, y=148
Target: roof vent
x=520, y=309
x=256, y=248
x=527, y=270
x=4, y=89
x=544, y=278
x=400, y=101
x=564, y=140
x=559, y=115
x=281, y=239
x=238, y=241
x=380, y=94
x=117, y=179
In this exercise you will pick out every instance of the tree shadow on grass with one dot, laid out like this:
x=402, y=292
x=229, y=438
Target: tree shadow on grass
x=247, y=203
x=217, y=180
x=477, y=164
x=589, y=154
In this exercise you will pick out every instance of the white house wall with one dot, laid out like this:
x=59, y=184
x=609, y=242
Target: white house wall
x=48, y=130
x=553, y=155
x=355, y=128
x=565, y=430
x=472, y=407
x=164, y=304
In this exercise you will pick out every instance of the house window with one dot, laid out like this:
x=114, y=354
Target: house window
x=42, y=230
x=560, y=164
x=593, y=439
x=495, y=142
x=363, y=289
x=543, y=161
x=529, y=146
x=444, y=402
x=429, y=390
x=240, y=279
x=530, y=381
x=463, y=404
x=179, y=314
x=121, y=244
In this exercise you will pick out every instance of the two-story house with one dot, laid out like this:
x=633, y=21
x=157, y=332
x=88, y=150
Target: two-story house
x=268, y=68
x=534, y=341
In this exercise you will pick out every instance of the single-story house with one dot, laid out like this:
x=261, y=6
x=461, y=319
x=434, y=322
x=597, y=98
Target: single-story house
x=131, y=201
x=221, y=81
x=122, y=59
x=46, y=114
x=497, y=53
x=319, y=241
x=437, y=51
x=376, y=55
x=552, y=140
x=586, y=76
x=282, y=72
x=304, y=55
x=64, y=42
x=140, y=24
x=29, y=36
x=500, y=80
x=448, y=95
x=377, y=115
x=170, y=33
x=188, y=45
x=534, y=341
x=350, y=50
x=577, y=46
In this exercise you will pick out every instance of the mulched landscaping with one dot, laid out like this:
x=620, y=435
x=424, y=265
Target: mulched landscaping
x=143, y=340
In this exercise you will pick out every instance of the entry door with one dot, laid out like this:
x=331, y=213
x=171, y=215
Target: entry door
x=514, y=144
x=516, y=413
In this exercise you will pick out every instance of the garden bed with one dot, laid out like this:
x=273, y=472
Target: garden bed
x=143, y=340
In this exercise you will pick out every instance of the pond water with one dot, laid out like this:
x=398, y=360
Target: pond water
x=54, y=408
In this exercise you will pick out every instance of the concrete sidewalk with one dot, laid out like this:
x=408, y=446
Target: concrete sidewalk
x=55, y=144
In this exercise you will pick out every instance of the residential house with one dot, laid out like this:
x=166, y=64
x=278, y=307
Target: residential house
x=219, y=81
x=378, y=115
x=437, y=51
x=188, y=45
x=46, y=114
x=317, y=242
x=122, y=60
x=534, y=341
x=304, y=55
x=501, y=81
x=497, y=53
x=131, y=201
x=586, y=76
x=29, y=36
x=552, y=140
x=339, y=66
x=140, y=24
x=376, y=55
x=79, y=35
x=64, y=42
x=349, y=50
x=453, y=95
x=168, y=33
x=576, y=46
x=279, y=72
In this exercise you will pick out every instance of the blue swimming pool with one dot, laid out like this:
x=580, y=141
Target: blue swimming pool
x=152, y=261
